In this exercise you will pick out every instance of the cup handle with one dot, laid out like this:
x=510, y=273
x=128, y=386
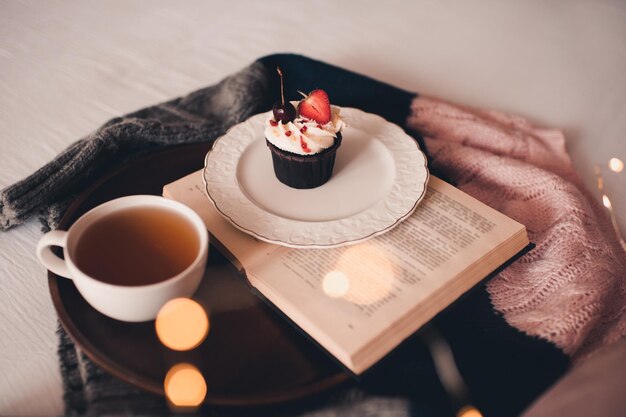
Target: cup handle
x=47, y=257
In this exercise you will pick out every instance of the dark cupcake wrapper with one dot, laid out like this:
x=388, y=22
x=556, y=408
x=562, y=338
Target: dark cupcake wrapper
x=304, y=171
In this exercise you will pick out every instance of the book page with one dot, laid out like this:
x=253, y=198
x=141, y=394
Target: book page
x=345, y=297
x=239, y=247
x=349, y=299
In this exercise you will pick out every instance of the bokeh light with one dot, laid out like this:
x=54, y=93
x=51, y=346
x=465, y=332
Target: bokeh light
x=336, y=284
x=185, y=386
x=469, y=411
x=369, y=272
x=616, y=165
x=182, y=324
x=606, y=201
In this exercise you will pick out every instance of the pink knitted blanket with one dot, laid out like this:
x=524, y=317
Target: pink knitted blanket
x=571, y=289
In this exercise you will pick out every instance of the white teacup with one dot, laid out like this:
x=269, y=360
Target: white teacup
x=130, y=302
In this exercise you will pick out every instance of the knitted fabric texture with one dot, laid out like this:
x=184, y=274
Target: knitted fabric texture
x=570, y=289
x=198, y=117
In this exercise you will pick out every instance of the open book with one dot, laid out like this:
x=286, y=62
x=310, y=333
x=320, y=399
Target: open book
x=361, y=301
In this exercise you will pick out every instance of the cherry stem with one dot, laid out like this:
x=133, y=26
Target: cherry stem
x=282, y=93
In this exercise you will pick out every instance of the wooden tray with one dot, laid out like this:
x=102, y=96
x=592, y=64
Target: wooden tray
x=251, y=356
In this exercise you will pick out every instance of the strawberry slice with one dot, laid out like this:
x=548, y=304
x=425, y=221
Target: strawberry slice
x=315, y=106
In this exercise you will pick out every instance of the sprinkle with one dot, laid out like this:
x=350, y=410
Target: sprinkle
x=304, y=146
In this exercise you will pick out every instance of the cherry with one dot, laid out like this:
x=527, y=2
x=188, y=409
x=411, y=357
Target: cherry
x=283, y=112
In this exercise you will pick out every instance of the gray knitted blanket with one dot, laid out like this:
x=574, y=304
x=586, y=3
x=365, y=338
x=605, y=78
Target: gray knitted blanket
x=200, y=116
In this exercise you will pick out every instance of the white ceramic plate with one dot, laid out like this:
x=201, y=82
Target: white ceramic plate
x=379, y=178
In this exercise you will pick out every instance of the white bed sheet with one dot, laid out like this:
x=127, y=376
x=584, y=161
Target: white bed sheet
x=67, y=67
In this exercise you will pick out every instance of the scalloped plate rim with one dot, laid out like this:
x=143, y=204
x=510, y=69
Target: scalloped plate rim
x=285, y=243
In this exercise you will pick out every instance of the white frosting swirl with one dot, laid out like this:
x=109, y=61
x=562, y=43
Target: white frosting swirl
x=304, y=136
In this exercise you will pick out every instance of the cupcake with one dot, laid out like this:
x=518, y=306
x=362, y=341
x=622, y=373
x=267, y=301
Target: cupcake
x=304, y=139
